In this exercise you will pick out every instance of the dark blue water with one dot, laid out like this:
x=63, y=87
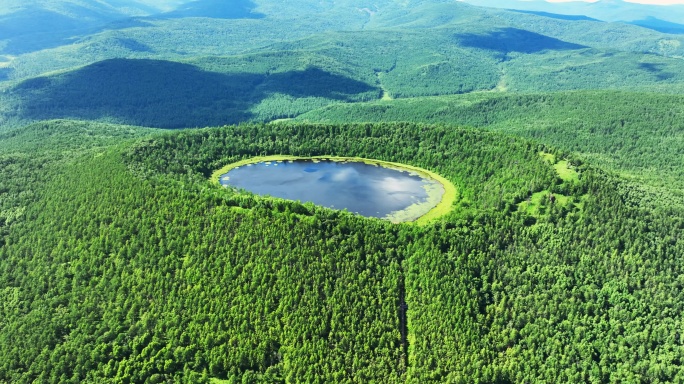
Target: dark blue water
x=368, y=190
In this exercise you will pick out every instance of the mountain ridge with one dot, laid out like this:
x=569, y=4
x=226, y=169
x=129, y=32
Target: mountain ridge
x=184, y=38
x=606, y=10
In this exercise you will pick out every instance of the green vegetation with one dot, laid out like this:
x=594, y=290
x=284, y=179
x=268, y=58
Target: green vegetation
x=555, y=255
x=127, y=264
x=168, y=37
x=443, y=202
x=184, y=95
x=306, y=75
x=261, y=65
x=550, y=157
x=566, y=171
x=540, y=202
x=638, y=135
x=30, y=156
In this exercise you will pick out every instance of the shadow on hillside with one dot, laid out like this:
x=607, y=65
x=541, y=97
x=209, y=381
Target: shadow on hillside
x=657, y=70
x=133, y=22
x=165, y=94
x=216, y=9
x=660, y=25
x=31, y=30
x=515, y=40
x=556, y=15
x=129, y=44
x=5, y=73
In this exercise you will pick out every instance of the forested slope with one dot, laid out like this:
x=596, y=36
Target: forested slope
x=131, y=265
x=177, y=95
x=27, y=26
x=640, y=135
x=31, y=155
x=296, y=78
x=354, y=35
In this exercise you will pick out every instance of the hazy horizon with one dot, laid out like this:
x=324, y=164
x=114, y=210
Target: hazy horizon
x=646, y=2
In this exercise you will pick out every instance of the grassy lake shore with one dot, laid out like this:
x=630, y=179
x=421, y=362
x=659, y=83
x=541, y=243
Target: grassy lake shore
x=444, y=206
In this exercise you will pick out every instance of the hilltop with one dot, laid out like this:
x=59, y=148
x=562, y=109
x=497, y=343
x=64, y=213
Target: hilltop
x=662, y=18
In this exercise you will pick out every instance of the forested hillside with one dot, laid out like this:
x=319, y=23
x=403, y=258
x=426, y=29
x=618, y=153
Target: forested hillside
x=32, y=25
x=175, y=95
x=665, y=17
x=296, y=78
x=31, y=155
x=203, y=64
x=639, y=135
x=121, y=262
x=354, y=35
x=131, y=265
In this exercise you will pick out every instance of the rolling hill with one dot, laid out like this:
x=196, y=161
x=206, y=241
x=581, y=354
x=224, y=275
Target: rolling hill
x=606, y=10
x=472, y=50
x=267, y=23
x=294, y=78
x=638, y=135
x=148, y=272
x=33, y=25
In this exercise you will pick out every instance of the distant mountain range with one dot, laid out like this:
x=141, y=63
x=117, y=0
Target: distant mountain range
x=205, y=62
x=27, y=26
x=662, y=18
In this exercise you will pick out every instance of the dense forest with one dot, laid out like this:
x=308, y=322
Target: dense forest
x=299, y=77
x=128, y=265
x=208, y=65
x=184, y=95
x=122, y=262
x=81, y=34
x=636, y=134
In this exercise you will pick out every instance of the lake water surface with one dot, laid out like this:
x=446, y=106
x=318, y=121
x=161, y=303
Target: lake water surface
x=366, y=189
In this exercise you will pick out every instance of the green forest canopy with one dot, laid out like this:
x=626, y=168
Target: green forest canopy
x=560, y=260
x=131, y=265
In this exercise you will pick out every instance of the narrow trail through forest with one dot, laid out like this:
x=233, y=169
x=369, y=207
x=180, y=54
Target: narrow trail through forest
x=403, y=326
x=386, y=95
